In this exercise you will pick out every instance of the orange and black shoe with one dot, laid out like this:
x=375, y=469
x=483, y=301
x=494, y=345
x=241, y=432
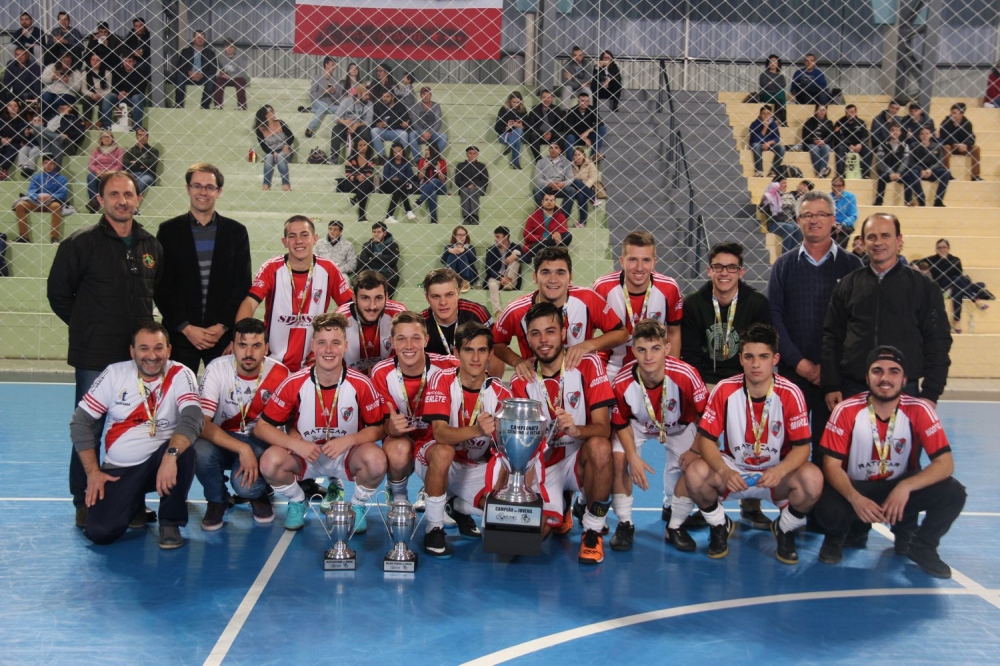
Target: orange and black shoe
x=563, y=528
x=591, y=548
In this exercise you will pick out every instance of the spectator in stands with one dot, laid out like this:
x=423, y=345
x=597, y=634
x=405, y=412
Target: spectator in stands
x=584, y=127
x=891, y=160
x=546, y=227
x=128, y=86
x=325, y=93
x=12, y=136
x=425, y=123
x=926, y=163
x=47, y=190
x=846, y=209
x=354, y=117
x=195, y=65
x=22, y=77
x=398, y=180
x=460, y=256
x=337, y=249
x=774, y=205
x=554, y=175
x=380, y=253
x=576, y=76
x=359, y=176
x=503, y=267
x=818, y=135
x=60, y=83
x=472, y=177
x=509, y=127
x=544, y=123
x=585, y=177
x=28, y=35
x=137, y=43
x=276, y=144
x=64, y=39
x=381, y=81
x=765, y=136
x=606, y=82
x=351, y=79
x=105, y=44
x=390, y=122
x=809, y=85
x=142, y=160
x=432, y=172
x=404, y=91
x=858, y=248
x=852, y=137
x=95, y=86
x=232, y=72
x=992, y=98
x=27, y=157
x=62, y=133
x=958, y=138
x=772, y=88
x=915, y=120
x=882, y=122
x=106, y=156
x=947, y=272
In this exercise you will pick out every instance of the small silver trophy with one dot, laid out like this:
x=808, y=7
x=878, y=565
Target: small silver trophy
x=401, y=525
x=339, y=525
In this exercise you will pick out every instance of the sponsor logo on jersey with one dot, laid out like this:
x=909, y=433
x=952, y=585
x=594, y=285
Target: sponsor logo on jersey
x=933, y=429
x=300, y=321
x=574, y=399
x=346, y=413
x=373, y=405
x=834, y=428
x=433, y=399
x=597, y=381
x=278, y=401
x=799, y=422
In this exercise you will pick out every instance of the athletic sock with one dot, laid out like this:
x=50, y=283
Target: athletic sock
x=434, y=513
x=398, y=488
x=788, y=521
x=361, y=494
x=592, y=522
x=622, y=506
x=292, y=492
x=715, y=515
x=680, y=509
x=670, y=479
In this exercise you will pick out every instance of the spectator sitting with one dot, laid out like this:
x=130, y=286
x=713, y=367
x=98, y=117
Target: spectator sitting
x=142, y=160
x=106, y=156
x=381, y=254
x=546, y=227
x=544, y=123
x=503, y=267
x=359, y=177
x=554, y=175
x=575, y=76
x=276, y=141
x=992, y=98
x=27, y=157
x=62, y=133
x=128, y=86
x=915, y=120
x=472, y=177
x=432, y=171
x=425, y=123
x=232, y=71
x=22, y=77
x=606, y=82
x=772, y=88
x=105, y=44
x=764, y=136
x=195, y=65
x=585, y=176
x=398, y=181
x=390, y=122
x=404, y=91
x=773, y=205
x=95, y=85
x=354, y=117
x=12, y=136
x=337, y=249
x=882, y=122
x=137, y=44
x=63, y=40
x=891, y=162
x=858, y=249
x=460, y=256
x=28, y=35
x=809, y=84
x=509, y=127
x=926, y=163
x=818, y=135
x=60, y=83
x=852, y=137
x=958, y=138
x=846, y=209
x=325, y=94
x=584, y=126
x=381, y=81
x=946, y=270
x=47, y=190
x=352, y=79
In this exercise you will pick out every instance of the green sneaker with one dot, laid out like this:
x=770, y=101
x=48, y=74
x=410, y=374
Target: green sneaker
x=360, y=518
x=334, y=493
x=295, y=516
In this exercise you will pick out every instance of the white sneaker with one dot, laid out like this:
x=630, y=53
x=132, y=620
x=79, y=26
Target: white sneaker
x=410, y=215
x=598, y=203
x=390, y=220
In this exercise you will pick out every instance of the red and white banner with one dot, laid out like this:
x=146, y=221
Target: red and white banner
x=400, y=29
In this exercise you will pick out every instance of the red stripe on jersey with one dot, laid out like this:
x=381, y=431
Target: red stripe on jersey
x=138, y=416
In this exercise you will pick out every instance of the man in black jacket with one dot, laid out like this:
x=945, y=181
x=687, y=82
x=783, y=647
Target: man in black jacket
x=207, y=272
x=852, y=137
x=885, y=303
x=958, y=138
x=471, y=180
x=195, y=65
x=128, y=85
x=544, y=123
x=380, y=253
x=891, y=161
x=101, y=285
x=390, y=123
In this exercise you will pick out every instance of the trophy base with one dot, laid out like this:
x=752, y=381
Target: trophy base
x=400, y=566
x=512, y=529
x=335, y=561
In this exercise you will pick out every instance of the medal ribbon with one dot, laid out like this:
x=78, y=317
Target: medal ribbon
x=157, y=397
x=469, y=420
x=327, y=413
x=729, y=323
x=661, y=426
x=444, y=341
x=630, y=323
x=545, y=391
x=759, y=428
x=305, y=289
x=245, y=408
x=882, y=448
x=406, y=397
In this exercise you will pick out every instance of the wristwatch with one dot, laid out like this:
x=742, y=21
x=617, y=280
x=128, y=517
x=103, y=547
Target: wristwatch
x=172, y=451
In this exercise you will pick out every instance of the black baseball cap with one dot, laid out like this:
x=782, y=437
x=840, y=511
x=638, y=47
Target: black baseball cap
x=886, y=353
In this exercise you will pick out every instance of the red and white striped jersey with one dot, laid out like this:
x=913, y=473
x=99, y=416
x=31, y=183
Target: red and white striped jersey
x=391, y=383
x=787, y=422
x=225, y=392
x=848, y=437
x=116, y=392
x=446, y=400
x=686, y=398
x=369, y=343
x=289, y=310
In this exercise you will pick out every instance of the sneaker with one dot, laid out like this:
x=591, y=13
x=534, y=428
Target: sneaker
x=718, y=539
x=295, y=516
x=309, y=133
x=591, y=548
x=904, y=539
x=680, y=539
x=170, y=537
x=466, y=524
x=311, y=488
x=750, y=512
x=81, y=517
x=928, y=560
x=214, y=514
x=785, y=552
x=436, y=545
x=857, y=536
x=410, y=215
x=421, y=504
x=666, y=512
x=579, y=508
x=560, y=529
x=360, y=518
x=832, y=550
x=623, y=537
x=138, y=520
x=262, y=510
x=334, y=493
x=977, y=179
x=391, y=220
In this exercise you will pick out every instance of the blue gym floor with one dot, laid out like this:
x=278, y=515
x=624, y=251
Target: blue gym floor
x=252, y=594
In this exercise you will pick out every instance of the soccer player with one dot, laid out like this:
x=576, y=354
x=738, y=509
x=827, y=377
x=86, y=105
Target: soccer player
x=577, y=449
x=461, y=404
x=659, y=399
x=403, y=381
x=369, y=320
x=448, y=311
x=337, y=415
x=583, y=311
x=638, y=292
x=233, y=391
x=296, y=287
x=872, y=466
x=153, y=417
x=766, y=425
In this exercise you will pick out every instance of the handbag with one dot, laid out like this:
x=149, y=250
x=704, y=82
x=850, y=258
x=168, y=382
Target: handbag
x=599, y=191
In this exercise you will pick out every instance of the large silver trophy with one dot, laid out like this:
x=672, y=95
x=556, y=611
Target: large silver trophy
x=339, y=525
x=401, y=525
x=512, y=524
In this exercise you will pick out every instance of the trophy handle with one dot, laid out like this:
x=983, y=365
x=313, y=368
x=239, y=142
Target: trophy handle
x=320, y=516
x=417, y=526
x=354, y=527
x=378, y=505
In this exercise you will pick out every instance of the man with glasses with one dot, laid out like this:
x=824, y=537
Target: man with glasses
x=206, y=270
x=101, y=285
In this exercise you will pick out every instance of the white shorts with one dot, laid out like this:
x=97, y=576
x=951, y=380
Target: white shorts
x=555, y=479
x=753, y=492
x=339, y=467
x=676, y=445
x=470, y=481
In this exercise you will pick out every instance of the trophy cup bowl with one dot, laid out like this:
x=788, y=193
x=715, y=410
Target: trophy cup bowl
x=340, y=527
x=519, y=434
x=401, y=524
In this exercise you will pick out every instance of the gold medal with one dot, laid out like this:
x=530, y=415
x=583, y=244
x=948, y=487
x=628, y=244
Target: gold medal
x=156, y=397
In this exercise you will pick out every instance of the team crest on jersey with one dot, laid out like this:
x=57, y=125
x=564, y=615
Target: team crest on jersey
x=346, y=413
x=576, y=328
x=265, y=395
x=656, y=315
x=317, y=294
x=899, y=444
x=386, y=344
x=775, y=428
x=148, y=261
x=574, y=399
x=671, y=405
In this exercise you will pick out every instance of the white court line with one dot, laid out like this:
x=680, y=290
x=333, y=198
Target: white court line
x=551, y=640
x=232, y=629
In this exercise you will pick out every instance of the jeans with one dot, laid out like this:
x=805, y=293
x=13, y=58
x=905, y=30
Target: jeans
x=319, y=110
x=144, y=180
x=596, y=145
x=381, y=136
x=279, y=160
x=54, y=144
x=464, y=264
x=93, y=182
x=584, y=197
x=820, y=156
x=429, y=191
x=212, y=462
x=513, y=140
x=52, y=101
x=568, y=193
x=135, y=102
x=758, y=156
x=440, y=139
x=913, y=190
x=789, y=232
x=85, y=378
x=181, y=80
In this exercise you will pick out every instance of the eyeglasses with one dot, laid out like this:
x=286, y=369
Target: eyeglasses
x=942, y=247
x=725, y=268
x=198, y=187
x=809, y=217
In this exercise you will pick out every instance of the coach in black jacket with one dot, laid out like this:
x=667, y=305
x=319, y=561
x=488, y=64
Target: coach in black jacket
x=200, y=293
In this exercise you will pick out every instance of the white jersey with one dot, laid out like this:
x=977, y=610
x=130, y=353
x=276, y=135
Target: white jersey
x=447, y=400
x=368, y=344
x=234, y=402
x=129, y=439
